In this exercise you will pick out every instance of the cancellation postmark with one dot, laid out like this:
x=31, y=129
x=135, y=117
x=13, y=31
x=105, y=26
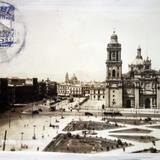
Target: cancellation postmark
x=12, y=32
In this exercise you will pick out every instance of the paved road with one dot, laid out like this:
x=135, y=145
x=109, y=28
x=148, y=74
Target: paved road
x=95, y=113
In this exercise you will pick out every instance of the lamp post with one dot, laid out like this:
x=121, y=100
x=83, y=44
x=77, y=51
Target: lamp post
x=9, y=118
x=136, y=115
x=79, y=107
x=103, y=109
x=12, y=106
x=50, y=121
x=154, y=107
x=34, y=134
x=22, y=139
x=61, y=108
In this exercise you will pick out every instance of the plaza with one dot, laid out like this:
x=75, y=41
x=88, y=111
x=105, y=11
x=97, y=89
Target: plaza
x=34, y=132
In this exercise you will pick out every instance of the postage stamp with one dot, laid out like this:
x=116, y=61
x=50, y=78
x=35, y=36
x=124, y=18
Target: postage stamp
x=12, y=32
x=7, y=30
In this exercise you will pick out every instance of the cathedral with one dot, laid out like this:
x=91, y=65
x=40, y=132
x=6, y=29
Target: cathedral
x=138, y=88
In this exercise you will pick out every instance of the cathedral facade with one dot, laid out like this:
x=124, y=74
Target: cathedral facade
x=138, y=88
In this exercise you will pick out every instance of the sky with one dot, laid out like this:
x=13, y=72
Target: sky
x=72, y=35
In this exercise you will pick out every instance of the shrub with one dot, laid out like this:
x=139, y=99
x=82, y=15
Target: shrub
x=119, y=142
x=153, y=150
x=77, y=136
x=69, y=135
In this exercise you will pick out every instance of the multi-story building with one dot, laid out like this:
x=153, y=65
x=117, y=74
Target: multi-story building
x=64, y=89
x=4, y=94
x=16, y=91
x=93, y=90
x=71, y=87
x=97, y=91
x=22, y=90
x=138, y=88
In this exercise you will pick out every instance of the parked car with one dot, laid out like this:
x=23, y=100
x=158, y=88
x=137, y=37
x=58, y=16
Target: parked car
x=112, y=113
x=52, y=108
x=35, y=112
x=88, y=114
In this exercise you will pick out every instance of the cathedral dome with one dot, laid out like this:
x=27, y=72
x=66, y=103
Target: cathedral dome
x=139, y=59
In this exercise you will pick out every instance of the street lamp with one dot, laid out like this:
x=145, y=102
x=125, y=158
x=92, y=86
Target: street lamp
x=34, y=134
x=79, y=108
x=12, y=107
x=154, y=107
x=136, y=115
x=50, y=125
x=9, y=118
x=22, y=139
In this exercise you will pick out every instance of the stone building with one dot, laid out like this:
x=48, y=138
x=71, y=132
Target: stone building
x=67, y=90
x=71, y=86
x=138, y=88
x=97, y=91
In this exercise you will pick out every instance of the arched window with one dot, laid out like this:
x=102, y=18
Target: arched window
x=147, y=103
x=109, y=75
x=113, y=56
x=113, y=73
x=128, y=103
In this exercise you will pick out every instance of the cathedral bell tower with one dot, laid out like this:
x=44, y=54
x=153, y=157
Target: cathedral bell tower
x=113, y=73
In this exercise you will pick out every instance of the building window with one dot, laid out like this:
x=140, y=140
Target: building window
x=109, y=74
x=113, y=73
x=113, y=102
x=113, y=56
x=117, y=55
x=146, y=66
x=118, y=74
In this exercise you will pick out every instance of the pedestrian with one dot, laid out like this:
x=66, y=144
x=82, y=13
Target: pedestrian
x=154, y=143
x=43, y=127
x=124, y=149
x=67, y=146
x=37, y=148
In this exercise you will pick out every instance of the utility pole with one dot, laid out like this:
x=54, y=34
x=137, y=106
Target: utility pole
x=4, y=142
